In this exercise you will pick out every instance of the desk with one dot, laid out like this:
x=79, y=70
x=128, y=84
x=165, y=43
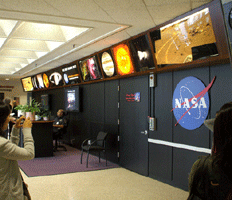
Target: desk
x=42, y=135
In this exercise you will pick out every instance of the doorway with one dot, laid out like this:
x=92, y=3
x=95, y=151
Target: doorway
x=133, y=125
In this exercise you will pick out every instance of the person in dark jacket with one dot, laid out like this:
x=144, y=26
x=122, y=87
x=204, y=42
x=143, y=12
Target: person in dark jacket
x=211, y=176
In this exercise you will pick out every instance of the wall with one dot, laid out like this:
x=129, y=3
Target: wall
x=171, y=164
x=99, y=112
x=17, y=91
x=166, y=163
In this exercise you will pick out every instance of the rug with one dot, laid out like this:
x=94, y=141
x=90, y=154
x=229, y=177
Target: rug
x=63, y=162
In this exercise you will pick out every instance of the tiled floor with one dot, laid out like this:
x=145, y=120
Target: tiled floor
x=110, y=184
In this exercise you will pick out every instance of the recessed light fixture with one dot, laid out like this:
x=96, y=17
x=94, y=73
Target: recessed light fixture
x=22, y=42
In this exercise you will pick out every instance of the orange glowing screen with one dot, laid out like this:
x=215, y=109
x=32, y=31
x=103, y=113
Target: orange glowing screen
x=123, y=59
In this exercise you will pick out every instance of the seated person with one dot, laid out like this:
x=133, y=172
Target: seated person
x=59, y=123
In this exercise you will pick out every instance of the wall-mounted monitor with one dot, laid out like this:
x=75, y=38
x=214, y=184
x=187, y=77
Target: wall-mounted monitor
x=141, y=53
x=107, y=63
x=71, y=75
x=45, y=101
x=123, y=59
x=180, y=41
x=27, y=84
x=72, y=99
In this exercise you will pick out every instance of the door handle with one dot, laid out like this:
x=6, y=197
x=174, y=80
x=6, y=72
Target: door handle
x=144, y=132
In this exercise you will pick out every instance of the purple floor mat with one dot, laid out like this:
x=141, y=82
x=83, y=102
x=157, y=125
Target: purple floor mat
x=63, y=162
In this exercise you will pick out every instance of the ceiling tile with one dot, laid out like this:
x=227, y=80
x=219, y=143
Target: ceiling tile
x=131, y=16
x=168, y=11
x=196, y=4
x=35, y=6
x=80, y=9
x=109, y=5
x=164, y=2
x=159, y=21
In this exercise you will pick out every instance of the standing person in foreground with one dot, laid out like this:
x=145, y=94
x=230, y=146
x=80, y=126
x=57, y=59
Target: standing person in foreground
x=209, y=123
x=211, y=176
x=11, y=183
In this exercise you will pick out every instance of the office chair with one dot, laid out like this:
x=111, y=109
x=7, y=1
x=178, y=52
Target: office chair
x=98, y=144
x=59, y=137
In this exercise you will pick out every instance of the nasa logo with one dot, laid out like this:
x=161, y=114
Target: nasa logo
x=191, y=102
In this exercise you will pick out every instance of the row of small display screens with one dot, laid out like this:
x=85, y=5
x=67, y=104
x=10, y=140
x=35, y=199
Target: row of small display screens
x=90, y=68
x=183, y=41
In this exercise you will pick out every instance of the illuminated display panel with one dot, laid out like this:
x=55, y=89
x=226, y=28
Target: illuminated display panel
x=72, y=99
x=55, y=77
x=40, y=81
x=84, y=70
x=93, y=68
x=107, y=64
x=45, y=80
x=34, y=82
x=185, y=40
x=27, y=84
x=123, y=59
x=71, y=75
x=141, y=53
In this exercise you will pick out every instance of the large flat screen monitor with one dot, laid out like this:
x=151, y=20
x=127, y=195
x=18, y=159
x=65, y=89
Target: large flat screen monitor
x=176, y=43
x=72, y=99
x=45, y=101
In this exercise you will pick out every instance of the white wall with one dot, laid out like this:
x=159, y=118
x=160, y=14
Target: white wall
x=17, y=91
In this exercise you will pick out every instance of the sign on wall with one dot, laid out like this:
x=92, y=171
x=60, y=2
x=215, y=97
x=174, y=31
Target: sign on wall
x=191, y=102
x=133, y=97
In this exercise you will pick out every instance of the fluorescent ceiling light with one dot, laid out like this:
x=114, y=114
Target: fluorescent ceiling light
x=22, y=43
x=2, y=40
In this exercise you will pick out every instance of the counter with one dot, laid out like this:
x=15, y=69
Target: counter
x=42, y=135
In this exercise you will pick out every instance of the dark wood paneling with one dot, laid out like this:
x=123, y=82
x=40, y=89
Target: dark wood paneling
x=111, y=118
x=182, y=164
x=160, y=162
x=97, y=102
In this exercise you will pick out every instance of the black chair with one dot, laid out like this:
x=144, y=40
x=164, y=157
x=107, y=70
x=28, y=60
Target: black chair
x=58, y=138
x=95, y=144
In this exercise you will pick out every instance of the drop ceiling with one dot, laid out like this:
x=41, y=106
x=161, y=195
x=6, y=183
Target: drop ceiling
x=38, y=35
